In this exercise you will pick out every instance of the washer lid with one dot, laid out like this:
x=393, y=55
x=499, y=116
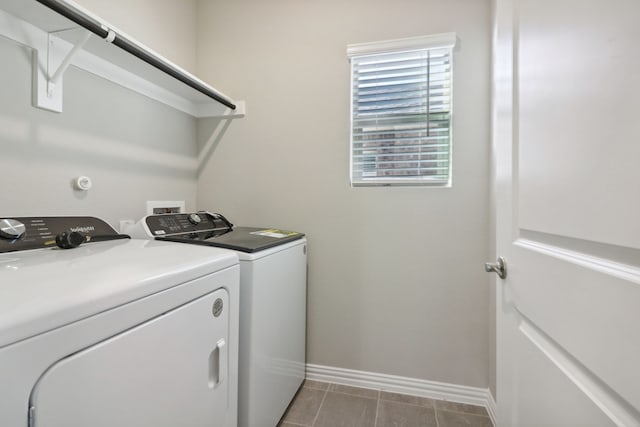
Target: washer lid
x=43, y=289
x=243, y=239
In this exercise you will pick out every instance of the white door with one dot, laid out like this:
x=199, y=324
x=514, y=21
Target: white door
x=567, y=152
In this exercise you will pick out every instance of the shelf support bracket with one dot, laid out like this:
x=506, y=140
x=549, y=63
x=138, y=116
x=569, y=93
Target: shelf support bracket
x=49, y=70
x=57, y=75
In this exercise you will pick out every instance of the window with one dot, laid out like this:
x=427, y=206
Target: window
x=401, y=111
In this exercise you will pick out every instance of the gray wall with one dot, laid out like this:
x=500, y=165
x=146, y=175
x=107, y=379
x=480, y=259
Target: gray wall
x=166, y=26
x=396, y=284
x=134, y=149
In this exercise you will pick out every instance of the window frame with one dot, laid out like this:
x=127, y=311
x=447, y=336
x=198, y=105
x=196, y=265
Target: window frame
x=436, y=41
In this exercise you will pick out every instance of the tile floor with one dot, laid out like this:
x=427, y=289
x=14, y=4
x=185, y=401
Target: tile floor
x=319, y=404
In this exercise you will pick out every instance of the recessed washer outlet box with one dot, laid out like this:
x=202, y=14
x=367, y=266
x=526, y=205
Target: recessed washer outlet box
x=155, y=207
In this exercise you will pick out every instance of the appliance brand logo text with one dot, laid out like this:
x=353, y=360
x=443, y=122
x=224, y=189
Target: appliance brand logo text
x=83, y=229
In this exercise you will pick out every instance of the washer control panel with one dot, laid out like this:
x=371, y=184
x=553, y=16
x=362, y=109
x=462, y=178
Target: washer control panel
x=186, y=223
x=24, y=233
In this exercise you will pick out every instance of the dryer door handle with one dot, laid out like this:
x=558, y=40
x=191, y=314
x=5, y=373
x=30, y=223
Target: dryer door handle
x=218, y=361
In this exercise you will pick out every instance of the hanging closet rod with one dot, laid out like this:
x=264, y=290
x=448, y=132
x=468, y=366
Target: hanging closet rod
x=127, y=45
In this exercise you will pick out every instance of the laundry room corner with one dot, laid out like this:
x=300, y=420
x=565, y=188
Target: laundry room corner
x=386, y=293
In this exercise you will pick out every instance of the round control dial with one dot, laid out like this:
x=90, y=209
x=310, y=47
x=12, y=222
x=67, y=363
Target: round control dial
x=11, y=229
x=194, y=219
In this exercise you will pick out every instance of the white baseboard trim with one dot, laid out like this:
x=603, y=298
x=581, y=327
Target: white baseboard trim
x=417, y=387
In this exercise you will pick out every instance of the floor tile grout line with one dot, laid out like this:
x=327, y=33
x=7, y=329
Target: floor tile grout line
x=465, y=413
x=435, y=403
x=352, y=394
x=409, y=403
x=320, y=407
x=375, y=420
x=332, y=390
x=433, y=406
x=315, y=388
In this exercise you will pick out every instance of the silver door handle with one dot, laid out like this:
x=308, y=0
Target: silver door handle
x=499, y=267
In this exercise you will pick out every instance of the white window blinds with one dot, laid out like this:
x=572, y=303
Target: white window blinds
x=401, y=111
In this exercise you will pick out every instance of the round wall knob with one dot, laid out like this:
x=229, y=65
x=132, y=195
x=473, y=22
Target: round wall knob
x=83, y=183
x=11, y=229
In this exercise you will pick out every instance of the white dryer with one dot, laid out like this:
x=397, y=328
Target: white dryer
x=127, y=333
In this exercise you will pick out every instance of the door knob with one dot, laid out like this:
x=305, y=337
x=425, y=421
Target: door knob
x=499, y=267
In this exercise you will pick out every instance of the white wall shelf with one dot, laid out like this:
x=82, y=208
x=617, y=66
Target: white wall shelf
x=57, y=42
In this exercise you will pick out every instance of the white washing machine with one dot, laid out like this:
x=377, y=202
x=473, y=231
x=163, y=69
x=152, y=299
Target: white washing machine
x=273, y=286
x=127, y=333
